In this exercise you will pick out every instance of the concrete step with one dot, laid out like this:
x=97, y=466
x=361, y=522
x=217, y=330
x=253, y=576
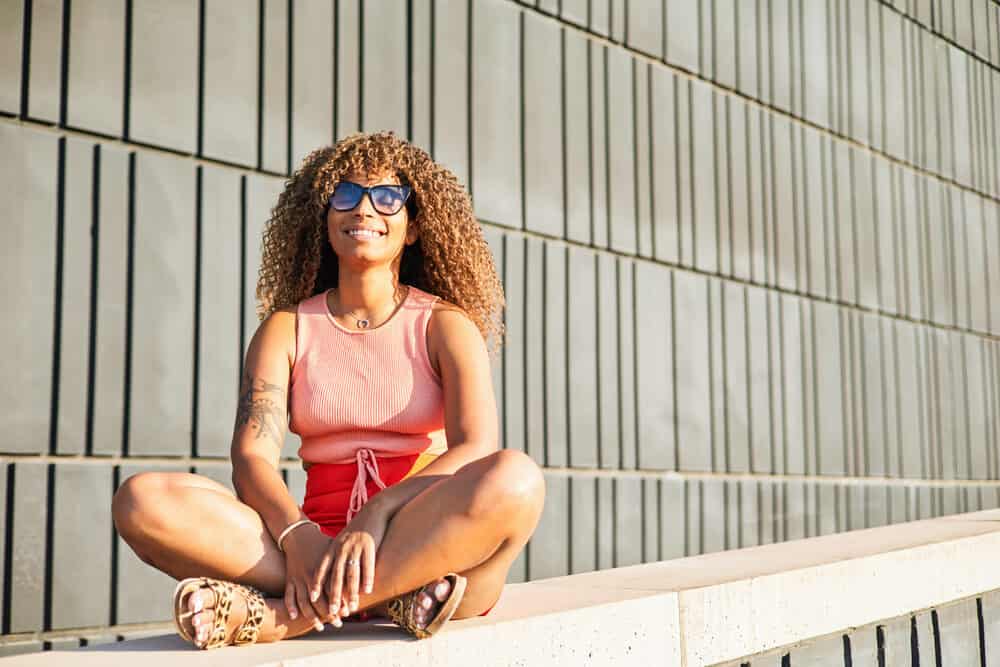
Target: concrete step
x=694, y=611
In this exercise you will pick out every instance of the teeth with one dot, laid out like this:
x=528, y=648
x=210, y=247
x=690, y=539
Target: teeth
x=363, y=234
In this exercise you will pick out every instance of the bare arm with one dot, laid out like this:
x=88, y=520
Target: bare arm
x=470, y=412
x=261, y=422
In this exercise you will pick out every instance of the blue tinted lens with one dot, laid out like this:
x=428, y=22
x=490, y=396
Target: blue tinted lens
x=387, y=199
x=346, y=196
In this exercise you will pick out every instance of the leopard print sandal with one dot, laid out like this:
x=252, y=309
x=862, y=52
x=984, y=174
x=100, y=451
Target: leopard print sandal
x=402, y=609
x=224, y=591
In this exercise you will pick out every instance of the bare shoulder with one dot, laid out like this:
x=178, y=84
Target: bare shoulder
x=452, y=333
x=275, y=337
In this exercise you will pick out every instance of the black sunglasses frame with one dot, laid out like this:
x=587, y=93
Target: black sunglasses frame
x=405, y=190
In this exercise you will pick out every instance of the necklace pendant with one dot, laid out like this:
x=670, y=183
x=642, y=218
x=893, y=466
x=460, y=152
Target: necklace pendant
x=362, y=324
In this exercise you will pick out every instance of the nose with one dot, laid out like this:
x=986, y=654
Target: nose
x=365, y=209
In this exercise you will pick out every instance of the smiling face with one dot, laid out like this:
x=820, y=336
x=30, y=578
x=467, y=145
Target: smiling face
x=362, y=236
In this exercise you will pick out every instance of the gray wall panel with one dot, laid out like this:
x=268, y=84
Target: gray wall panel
x=706, y=239
x=717, y=364
x=312, y=63
x=11, y=36
x=909, y=371
x=621, y=153
x=28, y=542
x=739, y=189
x=759, y=200
x=218, y=311
x=691, y=373
x=515, y=288
x=496, y=122
x=450, y=130
x=827, y=351
x=274, y=88
x=759, y=381
x=650, y=520
x=143, y=592
x=749, y=34
x=597, y=64
x=813, y=220
x=645, y=26
x=672, y=519
x=347, y=63
x=794, y=426
x=958, y=628
x=534, y=350
x=724, y=42
x=582, y=359
x=29, y=224
x=723, y=205
x=606, y=519
x=737, y=399
x=608, y=322
x=979, y=444
x=642, y=77
x=629, y=521
x=81, y=547
x=713, y=515
x=785, y=232
x=894, y=101
x=858, y=64
x=548, y=555
x=843, y=224
x=684, y=134
x=873, y=396
x=556, y=373
x=583, y=526
x=654, y=367
x=162, y=313
x=229, y=116
x=421, y=75
x=74, y=340
x=164, y=74
x=384, y=93
x=628, y=362
x=666, y=211
x=45, y=58
x=575, y=84
x=543, y=131
x=682, y=34
x=110, y=339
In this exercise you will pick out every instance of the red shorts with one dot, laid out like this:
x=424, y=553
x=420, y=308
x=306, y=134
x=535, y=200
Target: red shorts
x=329, y=485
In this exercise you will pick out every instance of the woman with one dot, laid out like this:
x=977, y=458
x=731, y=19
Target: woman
x=378, y=294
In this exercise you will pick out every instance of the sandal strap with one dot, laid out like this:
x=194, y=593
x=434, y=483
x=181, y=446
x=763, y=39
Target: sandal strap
x=402, y=609
x=249, y=630
x=225, y=591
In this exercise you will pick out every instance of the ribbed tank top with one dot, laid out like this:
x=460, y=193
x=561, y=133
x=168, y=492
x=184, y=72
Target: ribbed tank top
x=357, y=393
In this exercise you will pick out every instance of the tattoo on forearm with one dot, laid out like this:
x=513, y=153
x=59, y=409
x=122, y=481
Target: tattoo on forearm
x=263, y=407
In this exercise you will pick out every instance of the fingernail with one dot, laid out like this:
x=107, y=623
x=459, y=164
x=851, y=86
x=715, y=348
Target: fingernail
x=334, y=608
x=196, y=620
x=337, y=623
x=198, y=604
x=292, y=615
x=319, y=626
x=314, y=596
x=368, y=588
x=354, y=605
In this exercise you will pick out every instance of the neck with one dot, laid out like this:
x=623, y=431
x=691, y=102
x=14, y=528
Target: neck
x=367, y=292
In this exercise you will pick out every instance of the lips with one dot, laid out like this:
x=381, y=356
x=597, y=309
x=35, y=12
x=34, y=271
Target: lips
x=364, y=233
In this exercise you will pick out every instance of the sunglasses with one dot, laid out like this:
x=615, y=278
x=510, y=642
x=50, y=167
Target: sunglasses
x=386, y=199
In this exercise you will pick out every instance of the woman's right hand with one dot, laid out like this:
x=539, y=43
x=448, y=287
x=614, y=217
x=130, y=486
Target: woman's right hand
x=305, y=548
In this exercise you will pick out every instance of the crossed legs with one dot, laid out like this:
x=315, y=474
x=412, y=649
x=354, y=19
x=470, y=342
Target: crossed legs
x=474, y=523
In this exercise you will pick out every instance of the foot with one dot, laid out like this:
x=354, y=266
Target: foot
x=429, y=599
x=201, y=616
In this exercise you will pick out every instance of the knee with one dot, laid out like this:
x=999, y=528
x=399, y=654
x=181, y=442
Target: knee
x=511, y=484
x=139, y=503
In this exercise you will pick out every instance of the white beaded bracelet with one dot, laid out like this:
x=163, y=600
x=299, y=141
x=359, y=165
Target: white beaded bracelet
x=292, y=526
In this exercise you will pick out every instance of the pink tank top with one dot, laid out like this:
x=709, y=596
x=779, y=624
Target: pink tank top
x=355, y=394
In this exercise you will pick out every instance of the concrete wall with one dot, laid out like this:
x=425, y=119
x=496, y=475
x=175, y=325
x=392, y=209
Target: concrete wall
x=751, y=253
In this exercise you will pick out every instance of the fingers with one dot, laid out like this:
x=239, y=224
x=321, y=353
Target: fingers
x=335, y=582
x=293, y=609
x=306, y=608
x=316, y=588
x=368, y=561
x=353, y=574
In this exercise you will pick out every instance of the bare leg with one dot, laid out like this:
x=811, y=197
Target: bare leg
x=474, y=522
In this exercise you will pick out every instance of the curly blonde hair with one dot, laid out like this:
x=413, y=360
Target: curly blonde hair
x=450, y=259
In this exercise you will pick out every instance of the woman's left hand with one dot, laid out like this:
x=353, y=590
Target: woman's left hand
x=348, y=568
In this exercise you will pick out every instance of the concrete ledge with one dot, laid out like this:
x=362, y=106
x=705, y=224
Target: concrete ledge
x=694, y=611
